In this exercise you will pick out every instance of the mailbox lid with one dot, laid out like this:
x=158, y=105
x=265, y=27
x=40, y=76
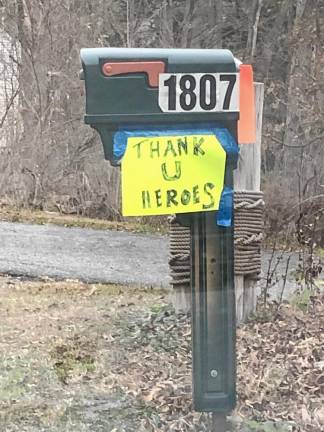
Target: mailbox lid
x=129, y=97
x=179, y=59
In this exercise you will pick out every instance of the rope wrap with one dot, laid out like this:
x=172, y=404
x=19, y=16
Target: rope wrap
x=248, y=227
x=179, y=260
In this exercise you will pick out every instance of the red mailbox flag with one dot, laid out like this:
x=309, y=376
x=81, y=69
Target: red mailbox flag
x=246, y=124
x=151, y=68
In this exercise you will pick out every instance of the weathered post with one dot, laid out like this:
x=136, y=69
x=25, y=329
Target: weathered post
x=247, y=178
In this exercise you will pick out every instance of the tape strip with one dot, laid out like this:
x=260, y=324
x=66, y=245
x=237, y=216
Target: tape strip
x=223, y=135
x=224, y=215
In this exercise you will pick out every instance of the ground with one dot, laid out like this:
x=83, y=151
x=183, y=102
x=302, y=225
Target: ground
x=41, y=217
x=83, y=357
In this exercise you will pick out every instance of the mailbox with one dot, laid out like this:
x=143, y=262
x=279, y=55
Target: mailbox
x=201, y=93
x=131, y=87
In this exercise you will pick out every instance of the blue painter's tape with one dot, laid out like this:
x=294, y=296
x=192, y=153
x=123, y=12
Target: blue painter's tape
x=120, y=143
x=224, y=215
x=228, y=142
x=222, y=134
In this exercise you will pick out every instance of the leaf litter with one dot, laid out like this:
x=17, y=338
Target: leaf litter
x=78, y=357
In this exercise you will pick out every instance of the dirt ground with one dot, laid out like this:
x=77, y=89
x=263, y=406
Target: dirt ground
x=78, y=357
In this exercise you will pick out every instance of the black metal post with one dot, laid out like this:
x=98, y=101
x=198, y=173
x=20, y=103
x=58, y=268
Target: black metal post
x=219, y=422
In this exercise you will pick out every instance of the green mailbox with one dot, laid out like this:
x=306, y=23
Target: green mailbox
x=157, y=86
x=184, y=89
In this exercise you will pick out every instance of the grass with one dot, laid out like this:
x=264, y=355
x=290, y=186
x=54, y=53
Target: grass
x=57, y=361
x=320, y=252
x=74, y=358
x=80, y=357
x=302, y=299
x=12, y=214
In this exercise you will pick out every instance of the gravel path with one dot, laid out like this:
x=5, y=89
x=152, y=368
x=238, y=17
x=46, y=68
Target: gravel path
x=85, y=254
x=99, y=256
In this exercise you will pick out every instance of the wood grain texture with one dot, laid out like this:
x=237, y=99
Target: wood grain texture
x=248, y=177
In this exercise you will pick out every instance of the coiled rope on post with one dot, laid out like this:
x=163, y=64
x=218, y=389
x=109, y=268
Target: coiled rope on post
x=248, y=228
x=179, y=260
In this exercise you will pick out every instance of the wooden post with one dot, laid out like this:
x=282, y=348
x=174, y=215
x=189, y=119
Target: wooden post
x=248, y=177
x=182, y=298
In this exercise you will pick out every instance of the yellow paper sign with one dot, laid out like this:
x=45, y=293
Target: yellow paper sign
x=172, y=174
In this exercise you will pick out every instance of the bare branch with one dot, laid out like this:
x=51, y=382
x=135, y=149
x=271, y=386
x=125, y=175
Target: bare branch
x=310, y=142
x=311, y=198
x=8, y=106
x=255, y=28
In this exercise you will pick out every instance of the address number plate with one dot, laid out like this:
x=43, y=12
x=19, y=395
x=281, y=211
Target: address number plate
x=199, y=92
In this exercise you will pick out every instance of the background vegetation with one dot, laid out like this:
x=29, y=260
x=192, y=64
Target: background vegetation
x=51, y=160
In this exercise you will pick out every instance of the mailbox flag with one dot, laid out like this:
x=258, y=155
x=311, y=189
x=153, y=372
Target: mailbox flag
x=246, y=124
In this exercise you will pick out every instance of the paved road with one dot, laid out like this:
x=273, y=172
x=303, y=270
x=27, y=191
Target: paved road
x=86, y=254
x=97, y=256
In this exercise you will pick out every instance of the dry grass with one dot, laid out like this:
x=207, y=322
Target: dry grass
x=27, y=215
x=78, y=357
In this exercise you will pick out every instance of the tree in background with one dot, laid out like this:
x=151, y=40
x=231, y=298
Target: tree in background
x=52, y=159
